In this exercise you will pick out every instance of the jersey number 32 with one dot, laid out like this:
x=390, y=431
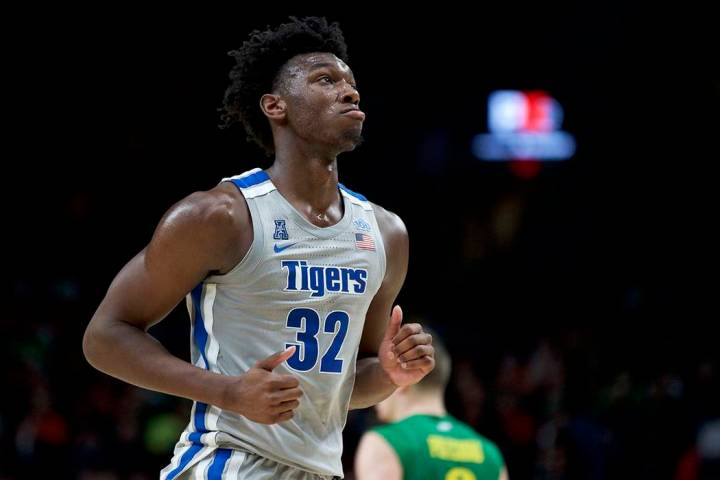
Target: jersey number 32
x=306, y=354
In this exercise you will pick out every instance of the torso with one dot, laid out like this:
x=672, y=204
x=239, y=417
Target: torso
x=286, y=281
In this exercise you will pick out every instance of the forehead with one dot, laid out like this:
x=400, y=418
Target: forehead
x=308, y=62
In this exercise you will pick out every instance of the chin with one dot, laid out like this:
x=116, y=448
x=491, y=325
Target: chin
x=352, y=140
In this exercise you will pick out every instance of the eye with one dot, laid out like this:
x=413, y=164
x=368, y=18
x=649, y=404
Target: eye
x=326, y=79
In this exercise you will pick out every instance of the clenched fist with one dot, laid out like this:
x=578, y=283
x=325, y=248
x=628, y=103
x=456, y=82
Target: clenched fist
x=262, y=395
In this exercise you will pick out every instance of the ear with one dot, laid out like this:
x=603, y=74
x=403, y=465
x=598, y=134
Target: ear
x=273, y=106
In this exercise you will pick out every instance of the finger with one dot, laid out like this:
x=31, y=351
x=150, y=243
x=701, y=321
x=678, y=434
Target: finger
x=284, y=407
x=282, y=382
x=407, y=330
x=411, y=342
x=417, y=352
x=394, y=323
x=286, y=395
x=425, y=364
x=285, y=416
x=275, y=359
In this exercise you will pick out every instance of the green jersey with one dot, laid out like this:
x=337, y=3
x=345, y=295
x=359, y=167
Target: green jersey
x=442, y=448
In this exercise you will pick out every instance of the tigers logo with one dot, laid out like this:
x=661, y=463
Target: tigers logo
x=323, y=279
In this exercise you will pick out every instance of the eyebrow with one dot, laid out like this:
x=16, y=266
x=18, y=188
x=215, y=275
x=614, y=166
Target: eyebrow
x=318, y=66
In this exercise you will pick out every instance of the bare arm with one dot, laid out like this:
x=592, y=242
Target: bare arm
x=375, y=459
x=385, y=344
x=197, y=236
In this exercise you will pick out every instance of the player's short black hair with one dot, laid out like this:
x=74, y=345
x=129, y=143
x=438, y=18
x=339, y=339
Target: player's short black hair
x=258, y=62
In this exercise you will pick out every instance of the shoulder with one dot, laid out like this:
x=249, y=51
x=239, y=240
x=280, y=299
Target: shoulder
x=376, y=458
x=212, y=221
x=217, y=209
x=392, y=229
x=390, y=223
x=492, y=451
x=375, y=441
x=375, y=438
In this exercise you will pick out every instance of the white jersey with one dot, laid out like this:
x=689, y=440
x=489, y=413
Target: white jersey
x=301, y=285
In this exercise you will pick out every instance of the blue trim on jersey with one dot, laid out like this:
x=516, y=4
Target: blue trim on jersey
x=218, y=464
x=199, y=332
x=187, y=456
x=354, y=194
x=194, y=437
x=200, y=410
x=200, y=337
x=250, y=180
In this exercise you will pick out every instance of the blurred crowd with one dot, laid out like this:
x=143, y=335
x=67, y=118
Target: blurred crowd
x=570, y=405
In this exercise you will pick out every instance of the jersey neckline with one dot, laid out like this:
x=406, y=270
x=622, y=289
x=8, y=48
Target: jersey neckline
x=305, y=224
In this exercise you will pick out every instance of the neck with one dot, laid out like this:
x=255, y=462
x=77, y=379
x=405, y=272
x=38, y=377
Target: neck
x=310, y=183
x=422, y=404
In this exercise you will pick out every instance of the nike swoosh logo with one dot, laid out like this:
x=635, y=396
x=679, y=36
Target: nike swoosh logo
x=279, y=249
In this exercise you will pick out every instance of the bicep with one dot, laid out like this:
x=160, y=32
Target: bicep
x=188, y=243
x=375, y=459
x=148, y=288
x=377, y=317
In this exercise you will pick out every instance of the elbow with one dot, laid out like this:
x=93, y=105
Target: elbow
x=92, y=344
x=89, y=344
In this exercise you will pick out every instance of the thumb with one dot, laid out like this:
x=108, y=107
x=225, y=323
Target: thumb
x=275, y=359
x=394, y=324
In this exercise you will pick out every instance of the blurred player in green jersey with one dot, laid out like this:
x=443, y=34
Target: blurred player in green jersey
x=421, y=441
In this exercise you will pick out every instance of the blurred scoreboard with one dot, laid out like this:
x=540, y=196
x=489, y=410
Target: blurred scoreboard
x=523, y=126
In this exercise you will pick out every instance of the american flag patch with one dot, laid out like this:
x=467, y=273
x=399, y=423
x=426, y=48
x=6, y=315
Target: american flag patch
x=364, y=241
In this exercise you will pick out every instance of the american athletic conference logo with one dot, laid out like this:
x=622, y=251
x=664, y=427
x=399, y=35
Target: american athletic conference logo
x=280, y=230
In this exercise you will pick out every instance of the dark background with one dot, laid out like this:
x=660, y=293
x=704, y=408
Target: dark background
x=579, y=304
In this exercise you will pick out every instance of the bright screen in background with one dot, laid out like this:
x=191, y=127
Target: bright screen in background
x=523, y=126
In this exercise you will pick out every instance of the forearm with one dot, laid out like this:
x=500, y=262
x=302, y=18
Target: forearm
x=130, y=354
x=372, y=385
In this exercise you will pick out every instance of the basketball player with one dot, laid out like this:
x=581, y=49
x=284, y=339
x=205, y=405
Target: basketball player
x=421, y=441
x=289, y=278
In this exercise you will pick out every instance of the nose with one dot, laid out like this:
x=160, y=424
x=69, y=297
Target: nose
x=350, y=94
